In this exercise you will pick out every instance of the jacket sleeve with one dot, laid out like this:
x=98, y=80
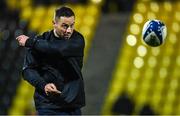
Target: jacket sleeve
x=30, y=73
x=32, y=76
x=65, y=48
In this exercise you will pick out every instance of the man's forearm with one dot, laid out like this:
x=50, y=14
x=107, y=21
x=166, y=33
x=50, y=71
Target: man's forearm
x=57, y=47
x=34, y=79
x=65, y=48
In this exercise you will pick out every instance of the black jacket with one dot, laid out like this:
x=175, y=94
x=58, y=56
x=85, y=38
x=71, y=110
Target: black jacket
x=55, y=60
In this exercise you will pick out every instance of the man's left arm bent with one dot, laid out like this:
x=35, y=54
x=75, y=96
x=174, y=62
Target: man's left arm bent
x=65, y=48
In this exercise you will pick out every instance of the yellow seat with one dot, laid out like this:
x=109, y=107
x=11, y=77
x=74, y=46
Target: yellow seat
x=26, y=13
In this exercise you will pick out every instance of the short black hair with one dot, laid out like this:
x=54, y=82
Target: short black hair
x=64, y=11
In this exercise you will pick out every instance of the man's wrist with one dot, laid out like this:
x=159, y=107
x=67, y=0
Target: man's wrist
x=30, y=42
x=41, y=86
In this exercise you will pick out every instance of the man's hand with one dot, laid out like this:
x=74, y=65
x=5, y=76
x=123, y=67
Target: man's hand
x=51, y=88
x=22, y=39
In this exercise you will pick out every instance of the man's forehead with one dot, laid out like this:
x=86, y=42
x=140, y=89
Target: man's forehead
x=64, y=19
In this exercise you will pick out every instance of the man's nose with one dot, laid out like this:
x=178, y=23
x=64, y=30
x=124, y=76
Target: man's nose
x=69, y=29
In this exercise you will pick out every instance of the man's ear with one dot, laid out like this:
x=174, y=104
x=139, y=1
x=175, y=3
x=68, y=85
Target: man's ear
x=53, y=22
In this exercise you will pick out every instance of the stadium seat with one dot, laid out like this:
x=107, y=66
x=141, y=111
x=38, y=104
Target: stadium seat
x=157, y=82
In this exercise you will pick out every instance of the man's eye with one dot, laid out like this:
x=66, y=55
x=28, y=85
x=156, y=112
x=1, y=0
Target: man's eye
x=65, y=26
x=72, y=26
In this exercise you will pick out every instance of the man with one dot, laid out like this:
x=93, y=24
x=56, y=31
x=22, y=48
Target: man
x=53, y=64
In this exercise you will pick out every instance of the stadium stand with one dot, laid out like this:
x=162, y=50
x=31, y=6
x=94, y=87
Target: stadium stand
x=10, y=57
x=148, y=76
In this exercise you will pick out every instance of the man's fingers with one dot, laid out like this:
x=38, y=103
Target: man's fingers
x=22, y=39
x=47, y=93
x=51, y=88
x=59, y=92
x=19, y=37
x=53, y=91
x=56, y=92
